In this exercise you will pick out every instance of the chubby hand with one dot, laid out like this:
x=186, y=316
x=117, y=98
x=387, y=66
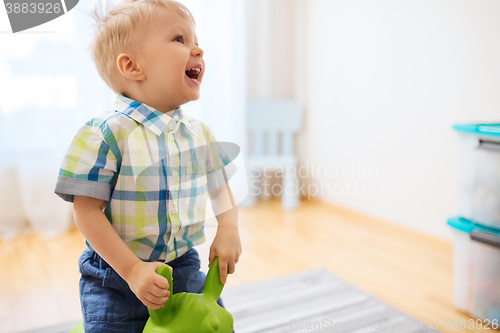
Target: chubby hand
x=227, y=247
x=150, y=287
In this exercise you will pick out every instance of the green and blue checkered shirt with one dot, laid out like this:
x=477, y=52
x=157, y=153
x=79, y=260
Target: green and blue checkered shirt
x=154, y=170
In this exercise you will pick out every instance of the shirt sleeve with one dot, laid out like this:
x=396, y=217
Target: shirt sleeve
x=89, y=167
x=220, y=168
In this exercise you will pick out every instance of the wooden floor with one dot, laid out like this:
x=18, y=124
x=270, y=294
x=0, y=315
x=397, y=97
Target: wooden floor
x=409, y=270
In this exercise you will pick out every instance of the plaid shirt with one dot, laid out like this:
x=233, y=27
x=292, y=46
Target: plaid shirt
x=153, y=169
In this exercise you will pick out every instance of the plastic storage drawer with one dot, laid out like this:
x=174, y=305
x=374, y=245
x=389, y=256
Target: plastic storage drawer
x=479, y=193
x=476, y=269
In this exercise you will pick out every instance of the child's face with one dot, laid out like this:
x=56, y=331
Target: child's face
x=168, y=53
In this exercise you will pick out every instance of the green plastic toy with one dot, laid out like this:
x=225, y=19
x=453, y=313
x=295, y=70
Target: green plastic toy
x=192, y=313
x=189, y=312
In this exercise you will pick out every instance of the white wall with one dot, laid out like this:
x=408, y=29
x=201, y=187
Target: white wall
x=270, y=42
x=382, y=82
x=387, y=80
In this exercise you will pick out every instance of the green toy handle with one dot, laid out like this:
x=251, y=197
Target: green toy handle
x=164, y=271
x=213, y=288
x=161, y=314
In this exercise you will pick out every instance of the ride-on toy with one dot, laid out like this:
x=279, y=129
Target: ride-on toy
x=189, y=312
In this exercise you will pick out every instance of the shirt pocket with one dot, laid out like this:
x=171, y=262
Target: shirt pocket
x=192, y=168
x=193, y=191
x=193, y=178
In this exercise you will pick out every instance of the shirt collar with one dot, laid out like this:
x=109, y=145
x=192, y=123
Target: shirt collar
x=148, y=116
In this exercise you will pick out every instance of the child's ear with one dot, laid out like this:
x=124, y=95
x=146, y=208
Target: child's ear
x=129, y=67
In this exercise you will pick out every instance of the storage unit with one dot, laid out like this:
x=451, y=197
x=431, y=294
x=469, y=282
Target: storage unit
x=479, y=194
x=476, y=269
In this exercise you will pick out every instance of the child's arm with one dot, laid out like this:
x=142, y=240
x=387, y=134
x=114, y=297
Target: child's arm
x=226, y=245
x=149, y=287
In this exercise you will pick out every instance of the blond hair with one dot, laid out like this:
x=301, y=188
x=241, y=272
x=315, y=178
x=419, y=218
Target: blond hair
x=115, y=32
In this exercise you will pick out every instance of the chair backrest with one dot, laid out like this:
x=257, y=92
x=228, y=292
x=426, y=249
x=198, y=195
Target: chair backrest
x=273, y=117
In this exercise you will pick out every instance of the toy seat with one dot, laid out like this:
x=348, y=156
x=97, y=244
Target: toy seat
x=274, y=118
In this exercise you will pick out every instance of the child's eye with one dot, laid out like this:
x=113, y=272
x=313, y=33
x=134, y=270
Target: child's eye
x=179, y=38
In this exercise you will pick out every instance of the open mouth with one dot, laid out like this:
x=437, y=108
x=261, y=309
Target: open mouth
x=193, y=73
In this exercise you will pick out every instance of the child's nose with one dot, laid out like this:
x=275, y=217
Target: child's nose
x=197, y=51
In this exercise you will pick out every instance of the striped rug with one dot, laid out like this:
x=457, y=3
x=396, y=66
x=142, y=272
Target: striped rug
x=313, y=301
x=310, y=301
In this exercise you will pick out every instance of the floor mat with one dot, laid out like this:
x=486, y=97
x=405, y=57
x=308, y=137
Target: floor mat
x=313, y=301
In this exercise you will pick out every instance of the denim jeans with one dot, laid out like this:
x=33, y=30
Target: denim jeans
x=108, y=304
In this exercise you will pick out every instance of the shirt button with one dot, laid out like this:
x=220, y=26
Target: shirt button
x=175, y=173
x=174, y=210
x=171, y=247
x=171, y=126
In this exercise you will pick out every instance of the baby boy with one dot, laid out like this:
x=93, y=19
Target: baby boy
x=139, y=175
